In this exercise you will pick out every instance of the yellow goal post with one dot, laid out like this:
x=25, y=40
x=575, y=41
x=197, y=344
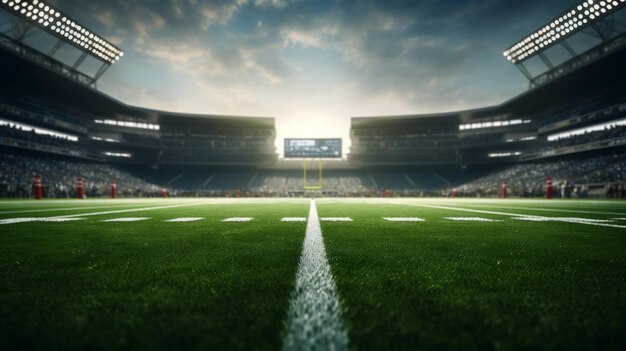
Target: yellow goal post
x=307, y=185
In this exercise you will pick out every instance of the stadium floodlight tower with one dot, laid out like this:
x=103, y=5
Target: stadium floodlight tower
x=593, y=17
x=31, y=15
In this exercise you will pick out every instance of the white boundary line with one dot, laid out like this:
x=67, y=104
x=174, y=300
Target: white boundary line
x=128, y=210
x=50, y=219
x=566, y=220
x=551, y=209
x=69, y=208
x=314, y=321
x=38, y=219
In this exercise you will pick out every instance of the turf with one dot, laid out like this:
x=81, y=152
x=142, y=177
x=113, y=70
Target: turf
x=209, y=284
x=150, y=285
x=477, y=286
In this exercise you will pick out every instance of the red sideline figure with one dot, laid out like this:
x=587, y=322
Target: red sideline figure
x=549, y=188
x=113, y=190
x=504, y=189
x=37, y=188
x=80, y=189
x=166, y=193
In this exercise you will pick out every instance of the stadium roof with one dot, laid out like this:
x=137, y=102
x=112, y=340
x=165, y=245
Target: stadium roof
x=604, y=78
x=38, y=83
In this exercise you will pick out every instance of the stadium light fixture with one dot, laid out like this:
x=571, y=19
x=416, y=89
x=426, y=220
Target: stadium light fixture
x=585, y=130
x=128, y=124
x=61, y=25
x=578, y=17
x=117, y=154
x=41, y=131
x=504, y=154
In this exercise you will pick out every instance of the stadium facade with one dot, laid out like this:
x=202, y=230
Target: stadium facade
x=573, y=113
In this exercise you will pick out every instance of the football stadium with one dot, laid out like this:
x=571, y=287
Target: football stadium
x=312, y=175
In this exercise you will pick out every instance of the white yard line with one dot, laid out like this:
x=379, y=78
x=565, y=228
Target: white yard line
x=471, y=219
x=403, y=219
x=336, y=219
x=125, y=219
x=293, y=219
x=185, y=219
x=560, y=219
x=315, y=321
x=237, y=219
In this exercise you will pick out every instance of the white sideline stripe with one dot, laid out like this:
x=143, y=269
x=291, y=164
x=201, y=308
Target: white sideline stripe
x=471, y=219
x=64, y=209
x=237, y=219
x=552, y=210
x=130, y=210
x=314, y=320
x=403, y=219
x=53, y=219
x=38, y=219
x=561, y=219
x=125, y=219
x=293, y=219
x=620, y=219
x=185, y=219
x=336, y=219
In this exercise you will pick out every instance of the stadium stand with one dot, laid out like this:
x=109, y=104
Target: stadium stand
x=59, y=178
x=599, y=175
x=570, y=128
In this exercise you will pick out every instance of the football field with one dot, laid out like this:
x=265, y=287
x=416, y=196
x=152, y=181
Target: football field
x=362, y=274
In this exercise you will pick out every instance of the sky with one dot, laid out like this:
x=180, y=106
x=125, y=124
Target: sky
x=313, y=64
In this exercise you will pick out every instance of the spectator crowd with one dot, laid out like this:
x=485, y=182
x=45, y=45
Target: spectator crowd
x=59, y=178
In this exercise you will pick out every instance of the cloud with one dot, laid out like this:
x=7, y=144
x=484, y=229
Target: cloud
x=287, y=57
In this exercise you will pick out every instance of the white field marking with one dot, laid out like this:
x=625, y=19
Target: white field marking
x=336, y=219
x=125, y=219
x=471, y=219
x=620, y=219
x=38, y=219
x=238, y=219
x=66, y=209
x=562, y=219
x=122, y=211
x=550, y=209
x=403, y=219
x=513, y=214
x=293, y=219
x=314, y=320
x=185, y=219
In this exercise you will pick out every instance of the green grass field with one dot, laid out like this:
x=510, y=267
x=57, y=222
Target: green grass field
x=541, y=275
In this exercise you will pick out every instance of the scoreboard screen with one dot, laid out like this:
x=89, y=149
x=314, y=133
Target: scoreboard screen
x=313, y=148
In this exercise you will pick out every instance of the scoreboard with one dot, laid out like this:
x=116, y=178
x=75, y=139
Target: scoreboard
x=313, y=148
